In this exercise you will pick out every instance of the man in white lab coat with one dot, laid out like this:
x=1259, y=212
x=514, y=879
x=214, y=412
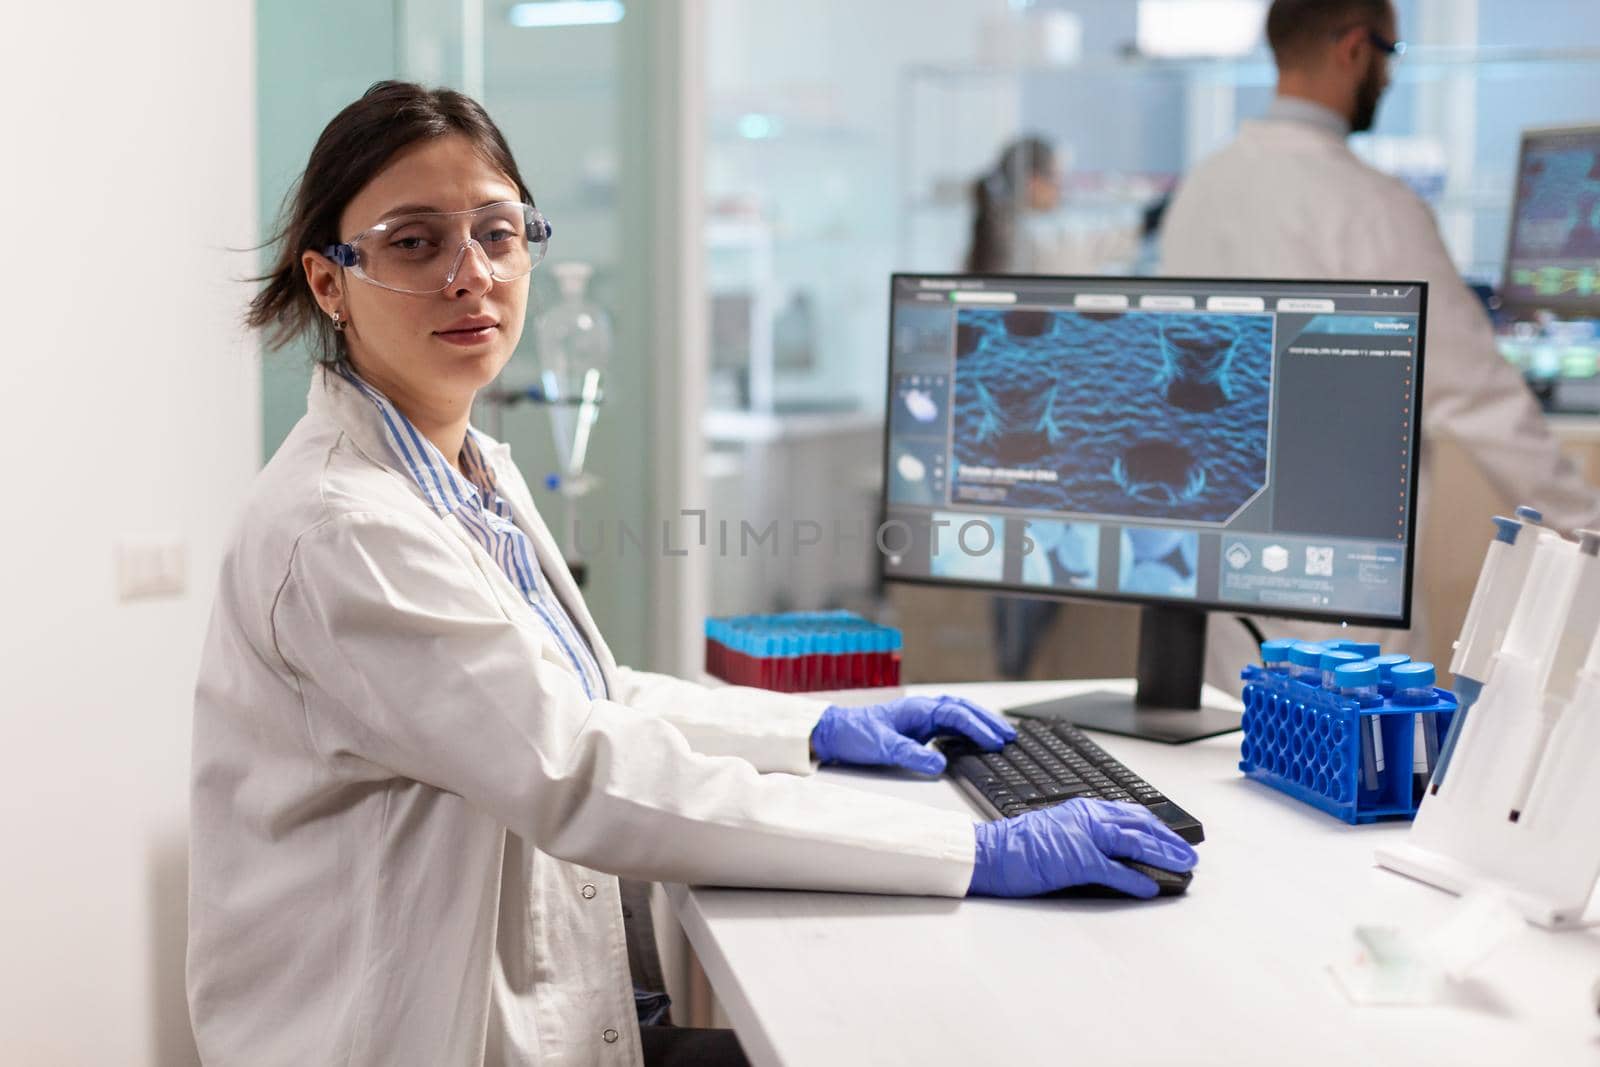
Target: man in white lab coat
x=1288, y=199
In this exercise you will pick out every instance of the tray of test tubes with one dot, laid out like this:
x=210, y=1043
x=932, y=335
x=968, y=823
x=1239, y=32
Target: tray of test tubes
x=1343, y=728
x=803, y=651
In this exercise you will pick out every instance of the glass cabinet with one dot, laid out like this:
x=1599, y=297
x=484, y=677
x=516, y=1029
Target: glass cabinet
x=1128, y=129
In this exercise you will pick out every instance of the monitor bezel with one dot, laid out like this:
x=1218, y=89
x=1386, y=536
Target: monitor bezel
x=1402, y=622
x=1516, y=306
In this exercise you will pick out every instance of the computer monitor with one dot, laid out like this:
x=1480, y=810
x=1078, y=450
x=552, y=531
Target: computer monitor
x=1188, y=445
x=1553, y=249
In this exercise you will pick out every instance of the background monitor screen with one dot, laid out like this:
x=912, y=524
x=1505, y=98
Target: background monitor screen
x=1553, y=255
x=1218, y=444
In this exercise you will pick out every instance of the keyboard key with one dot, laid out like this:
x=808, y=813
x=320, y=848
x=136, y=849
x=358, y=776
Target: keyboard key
x=1050, y=763
x=969, y=766
x=1063, y=791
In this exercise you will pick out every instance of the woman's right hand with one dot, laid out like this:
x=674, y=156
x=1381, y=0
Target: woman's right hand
x=1075, y=843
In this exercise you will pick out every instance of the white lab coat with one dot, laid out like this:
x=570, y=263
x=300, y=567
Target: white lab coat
x=407, y=818
x=1288, y=199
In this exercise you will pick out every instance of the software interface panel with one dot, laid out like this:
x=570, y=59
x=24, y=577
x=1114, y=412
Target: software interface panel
x=1234, y=444
x=1553, y=260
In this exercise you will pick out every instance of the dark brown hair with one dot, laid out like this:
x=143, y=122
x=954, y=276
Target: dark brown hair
x=1298, y=29
x=996, y=198
x=353, y=148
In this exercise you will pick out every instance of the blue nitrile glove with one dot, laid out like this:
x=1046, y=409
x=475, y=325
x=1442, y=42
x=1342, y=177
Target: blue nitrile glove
x=890, y=734
x=1074, y=844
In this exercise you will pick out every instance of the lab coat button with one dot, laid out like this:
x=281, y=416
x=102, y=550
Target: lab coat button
x=610, y=1036
x=588, y=892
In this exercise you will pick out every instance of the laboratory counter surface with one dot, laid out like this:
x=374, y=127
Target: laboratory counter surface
x=1233, y=972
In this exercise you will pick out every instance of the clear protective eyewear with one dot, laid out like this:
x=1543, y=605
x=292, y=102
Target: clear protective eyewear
x=1392, y=49
x=423, y=252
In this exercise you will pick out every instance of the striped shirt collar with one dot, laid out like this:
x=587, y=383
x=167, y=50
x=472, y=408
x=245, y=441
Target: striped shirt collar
x=472, y=497
x=442, y=485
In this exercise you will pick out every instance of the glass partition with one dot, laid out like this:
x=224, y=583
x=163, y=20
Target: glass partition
x=1129, y=128
x=571, y=98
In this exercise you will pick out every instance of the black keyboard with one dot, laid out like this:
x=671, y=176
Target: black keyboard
x=1051, y=762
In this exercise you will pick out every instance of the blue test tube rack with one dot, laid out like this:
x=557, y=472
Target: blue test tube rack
x=1306, y=741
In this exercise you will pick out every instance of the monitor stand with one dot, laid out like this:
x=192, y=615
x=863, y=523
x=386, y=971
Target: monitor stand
x=1166, y=707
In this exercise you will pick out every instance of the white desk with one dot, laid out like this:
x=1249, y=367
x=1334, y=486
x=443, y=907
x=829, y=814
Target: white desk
x=1232, y=972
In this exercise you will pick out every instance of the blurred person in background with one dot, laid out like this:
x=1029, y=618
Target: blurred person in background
x=1018, y=224
x=1288, y=199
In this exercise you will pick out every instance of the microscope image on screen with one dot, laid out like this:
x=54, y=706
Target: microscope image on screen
x=1158, y=562
x=921, y=341
x=1065, y=555
x=1560, y=206
x=1129, y=414
x=920, y=406
x=967, y=547
x=916, y=472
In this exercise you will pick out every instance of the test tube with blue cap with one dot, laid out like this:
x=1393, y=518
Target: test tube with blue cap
x=1275, y=655
x=1305, y=663
x=1413, y=683
x=1505, y=568
x=1413, y=687
x=1358, y=681
x=1386, y=665
x=1331, y=661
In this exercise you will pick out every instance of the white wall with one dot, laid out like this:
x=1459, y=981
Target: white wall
x=130, y=413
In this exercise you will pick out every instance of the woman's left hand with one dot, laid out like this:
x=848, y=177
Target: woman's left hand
x=892, y=734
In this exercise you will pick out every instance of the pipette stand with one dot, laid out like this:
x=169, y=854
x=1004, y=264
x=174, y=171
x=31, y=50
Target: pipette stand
x=1546, y=862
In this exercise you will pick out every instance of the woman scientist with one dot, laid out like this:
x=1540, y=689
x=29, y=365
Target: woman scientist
x=1017, y=227
x=417, y=771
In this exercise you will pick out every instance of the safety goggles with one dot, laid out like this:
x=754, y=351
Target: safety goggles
x=1392, y=49
x=423, y=252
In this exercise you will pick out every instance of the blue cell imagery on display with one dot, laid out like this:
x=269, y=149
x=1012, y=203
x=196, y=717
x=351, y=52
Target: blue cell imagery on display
x=1065, y=555
x=922, y=338
x=1128, y=414
x=970, y=548
x=920, y=405
x=1158, y=562
x=1559, y=211
x=917, y=472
